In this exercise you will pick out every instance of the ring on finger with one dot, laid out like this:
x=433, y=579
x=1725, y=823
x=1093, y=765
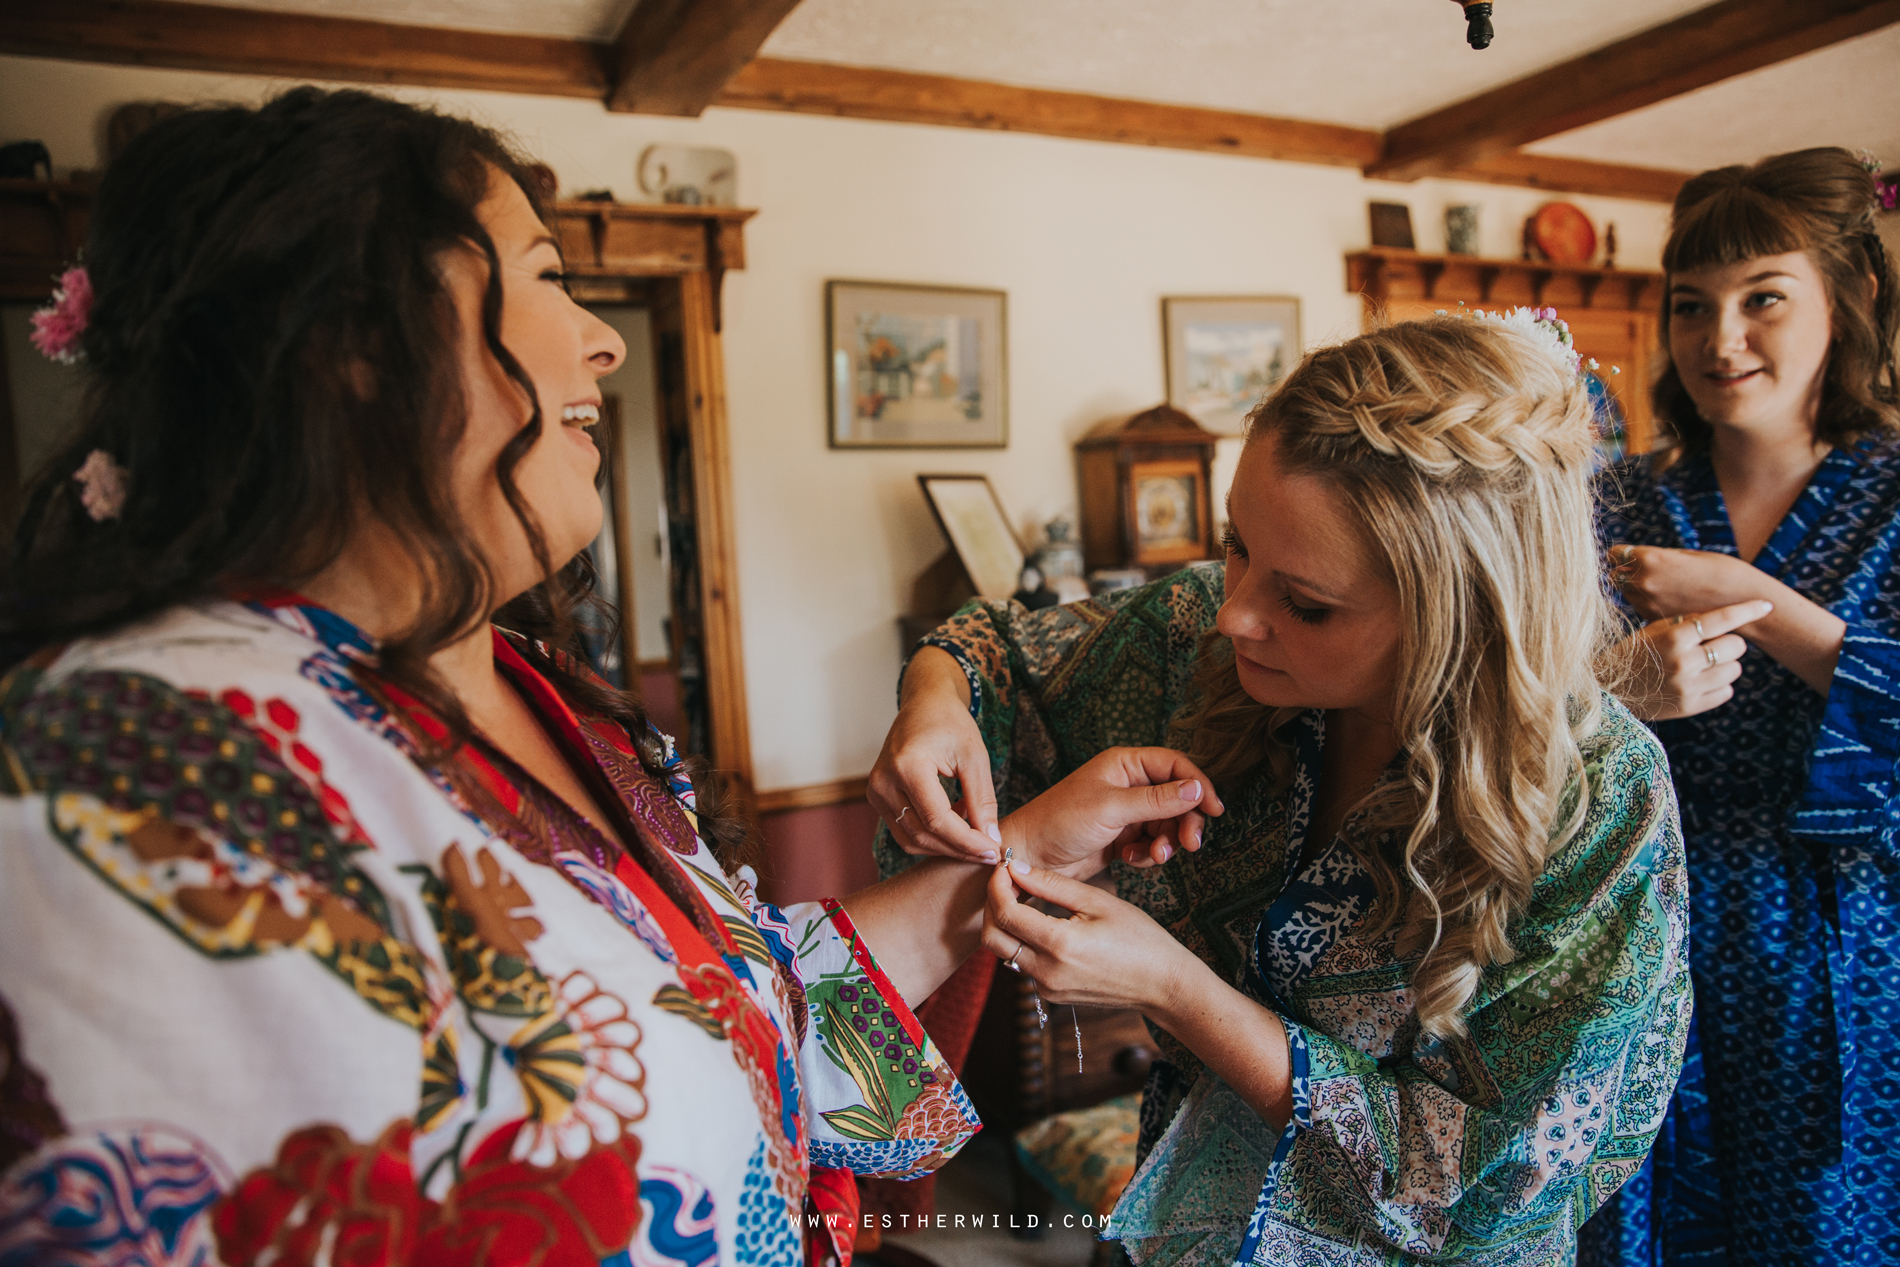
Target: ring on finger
x=1708, y=653
x=902, y=812
x=1699, y=635
x=1010, y=962
x=1628, y=555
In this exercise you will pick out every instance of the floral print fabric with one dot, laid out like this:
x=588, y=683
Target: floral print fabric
x=1782, y=1134
x=273, y=990
x=1489, y=1150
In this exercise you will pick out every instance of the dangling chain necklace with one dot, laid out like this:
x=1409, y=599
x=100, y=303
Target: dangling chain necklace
x=1035, y=997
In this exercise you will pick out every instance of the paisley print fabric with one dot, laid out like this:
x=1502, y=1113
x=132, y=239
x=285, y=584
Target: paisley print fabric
x=272, y=989
x=1488, y=1150
x=1784, y=1130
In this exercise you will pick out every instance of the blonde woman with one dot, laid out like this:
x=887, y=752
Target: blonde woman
x=1421, y=989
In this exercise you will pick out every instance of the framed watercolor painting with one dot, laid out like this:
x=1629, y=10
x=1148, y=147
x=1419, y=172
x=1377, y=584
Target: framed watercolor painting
x=1224, y=354
x=971, y=515
x=916, y=366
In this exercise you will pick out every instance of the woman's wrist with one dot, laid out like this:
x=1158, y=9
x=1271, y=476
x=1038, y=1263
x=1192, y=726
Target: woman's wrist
x=1799, y=634
x=1184, y=990
x=933, y=675
x=1019, y=832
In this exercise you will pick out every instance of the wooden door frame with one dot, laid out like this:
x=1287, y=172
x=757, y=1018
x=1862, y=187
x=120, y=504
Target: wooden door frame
x=673, y=259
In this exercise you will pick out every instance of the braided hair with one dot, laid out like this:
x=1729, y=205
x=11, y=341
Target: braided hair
x=1820, y=201
x=1464, y=451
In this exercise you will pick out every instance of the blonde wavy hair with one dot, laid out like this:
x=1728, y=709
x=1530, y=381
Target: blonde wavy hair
x=1464, y=452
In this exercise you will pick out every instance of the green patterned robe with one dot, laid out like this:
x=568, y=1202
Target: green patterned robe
x=1492, y=1149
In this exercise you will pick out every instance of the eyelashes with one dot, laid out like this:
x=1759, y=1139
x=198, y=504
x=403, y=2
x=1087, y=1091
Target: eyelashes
x=1305, y=615
x=1697, y=308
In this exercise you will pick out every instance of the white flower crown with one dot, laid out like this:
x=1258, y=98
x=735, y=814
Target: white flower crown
x=1550, y=331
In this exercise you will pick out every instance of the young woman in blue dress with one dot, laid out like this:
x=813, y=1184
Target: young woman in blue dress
x=1760, y=548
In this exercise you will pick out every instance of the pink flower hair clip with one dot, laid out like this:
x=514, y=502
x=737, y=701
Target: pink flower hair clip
x=101, y=486
x=58, y=326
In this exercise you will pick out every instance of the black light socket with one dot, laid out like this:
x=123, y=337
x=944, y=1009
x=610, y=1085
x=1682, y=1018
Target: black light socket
x=1478, y=30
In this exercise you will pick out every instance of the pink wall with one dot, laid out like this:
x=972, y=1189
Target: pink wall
x=820, y=852
x=660, y=692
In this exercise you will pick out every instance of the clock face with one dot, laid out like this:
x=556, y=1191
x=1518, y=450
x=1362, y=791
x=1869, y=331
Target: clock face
x=1164, y=511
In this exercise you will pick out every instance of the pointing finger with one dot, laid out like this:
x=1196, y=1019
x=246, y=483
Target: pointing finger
x=1726, y=619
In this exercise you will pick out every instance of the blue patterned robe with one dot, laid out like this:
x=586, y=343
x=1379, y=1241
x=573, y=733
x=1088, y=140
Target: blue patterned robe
x=1781, y=1144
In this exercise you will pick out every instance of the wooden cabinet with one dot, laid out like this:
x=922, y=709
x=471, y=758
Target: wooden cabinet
x=1146, y=491
x=1612, y=312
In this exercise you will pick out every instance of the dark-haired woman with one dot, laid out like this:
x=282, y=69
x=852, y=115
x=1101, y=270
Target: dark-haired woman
x=1780, y=495
x=336, y=923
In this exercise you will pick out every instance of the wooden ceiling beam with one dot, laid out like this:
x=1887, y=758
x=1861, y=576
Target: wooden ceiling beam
x=299, y=46
x=673, y=56
x=1574, y=176
x=858, y=92
x=1712, y=44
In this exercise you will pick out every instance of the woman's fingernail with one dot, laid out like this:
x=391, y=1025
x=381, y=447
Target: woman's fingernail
x=1166, y=852
x=994, y=833
x=1191, y=790
x=1019, y=866
x=989, y=855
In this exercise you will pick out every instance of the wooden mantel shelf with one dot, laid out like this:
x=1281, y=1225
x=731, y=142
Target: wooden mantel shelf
x=1389, y=274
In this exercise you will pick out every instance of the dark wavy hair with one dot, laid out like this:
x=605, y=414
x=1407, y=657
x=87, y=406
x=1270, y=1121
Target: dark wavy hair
x=1820, y=201
x=272, y=350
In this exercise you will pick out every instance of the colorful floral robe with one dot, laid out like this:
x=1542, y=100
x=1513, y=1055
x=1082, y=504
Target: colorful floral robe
x=271, y=990
x=1489, y=1150
x=1784, y=1142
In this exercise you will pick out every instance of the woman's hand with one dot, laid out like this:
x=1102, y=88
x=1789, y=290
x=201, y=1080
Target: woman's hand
x=1796, y=632
x=1660, y=582
x=934, y=737
x=1107, y=954
x=1688, y=663
x=1140, y=802
x=1111, y=954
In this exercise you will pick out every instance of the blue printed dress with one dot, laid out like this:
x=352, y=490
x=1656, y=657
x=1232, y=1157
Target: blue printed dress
x=1781, y=1144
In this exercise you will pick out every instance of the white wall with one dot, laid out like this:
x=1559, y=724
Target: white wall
x=1085, y=237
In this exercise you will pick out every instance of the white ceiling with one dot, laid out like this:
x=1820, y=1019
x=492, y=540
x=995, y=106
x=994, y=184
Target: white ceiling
x=1848, y=94
x=1367, y=63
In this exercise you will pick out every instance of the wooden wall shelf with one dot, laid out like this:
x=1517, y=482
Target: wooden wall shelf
x=1613, y=313
x=1474, y=280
